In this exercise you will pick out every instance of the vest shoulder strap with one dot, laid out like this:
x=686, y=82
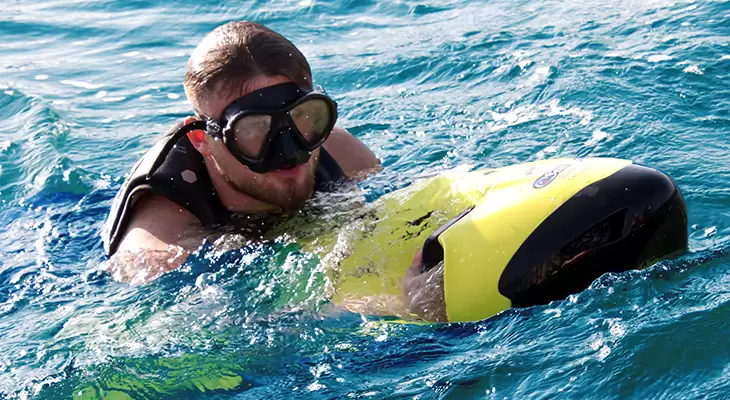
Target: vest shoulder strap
x=179, y=174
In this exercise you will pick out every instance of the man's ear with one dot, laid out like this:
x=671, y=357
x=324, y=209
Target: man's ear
x=198, y=139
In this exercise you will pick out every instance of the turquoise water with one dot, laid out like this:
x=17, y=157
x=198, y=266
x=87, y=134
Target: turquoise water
x=86, y=87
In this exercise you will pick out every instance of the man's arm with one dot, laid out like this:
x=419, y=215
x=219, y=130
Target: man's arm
x=158, y=239
x=352, y=155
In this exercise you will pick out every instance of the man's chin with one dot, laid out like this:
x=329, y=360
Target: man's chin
x=291, y=193
x=293, y=204
x=297, y=194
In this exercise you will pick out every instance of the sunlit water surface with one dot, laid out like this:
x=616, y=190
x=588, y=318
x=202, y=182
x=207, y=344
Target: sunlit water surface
x=87, y=86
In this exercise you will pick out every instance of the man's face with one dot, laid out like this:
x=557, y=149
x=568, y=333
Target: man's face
x=287, y=189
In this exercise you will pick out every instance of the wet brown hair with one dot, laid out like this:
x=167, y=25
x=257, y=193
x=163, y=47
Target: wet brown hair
x=234, y=53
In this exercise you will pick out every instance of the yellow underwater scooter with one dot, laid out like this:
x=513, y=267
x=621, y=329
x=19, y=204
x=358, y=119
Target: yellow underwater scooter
x=516, y=236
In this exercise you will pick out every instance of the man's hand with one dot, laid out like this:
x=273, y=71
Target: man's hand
x=424, y=291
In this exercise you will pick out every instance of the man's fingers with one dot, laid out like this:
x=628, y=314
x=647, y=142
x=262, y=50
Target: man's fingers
x=424, y=294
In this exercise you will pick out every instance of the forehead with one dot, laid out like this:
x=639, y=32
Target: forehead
x=215, y=102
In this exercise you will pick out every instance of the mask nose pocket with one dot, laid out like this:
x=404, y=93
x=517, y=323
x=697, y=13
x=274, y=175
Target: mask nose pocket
x=286, y=151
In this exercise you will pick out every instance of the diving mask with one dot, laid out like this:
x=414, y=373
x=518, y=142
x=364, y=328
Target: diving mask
x=273, y=128
x=276, y=127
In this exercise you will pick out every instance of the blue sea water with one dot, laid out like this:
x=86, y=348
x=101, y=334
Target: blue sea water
x=87, y=86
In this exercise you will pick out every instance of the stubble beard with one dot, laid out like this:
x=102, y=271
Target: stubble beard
x=288, y=194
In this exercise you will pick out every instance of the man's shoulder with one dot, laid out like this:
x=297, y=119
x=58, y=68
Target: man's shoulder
x=158, y=223
x=353, y=156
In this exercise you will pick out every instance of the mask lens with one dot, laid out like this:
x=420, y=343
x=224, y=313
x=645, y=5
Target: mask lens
x=311, y=119
x=250, y=134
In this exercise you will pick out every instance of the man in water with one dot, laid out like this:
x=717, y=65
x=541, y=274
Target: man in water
x=261, y=143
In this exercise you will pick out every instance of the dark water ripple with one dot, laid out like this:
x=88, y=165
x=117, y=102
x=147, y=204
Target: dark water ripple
x=85, y=87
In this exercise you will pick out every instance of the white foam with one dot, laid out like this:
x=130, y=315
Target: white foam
x=554, y=312
x=554, y=108
x=603, y=353
x=112, y=99
x=502, y=69
x=540, y=74
x=616, y=328
x=658, y=58
x=83, y=85
x=596, y=137
x=694, y=69
x=595, y=341
x=41, y=77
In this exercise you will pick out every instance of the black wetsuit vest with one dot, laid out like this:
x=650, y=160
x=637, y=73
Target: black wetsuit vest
x=182, y=177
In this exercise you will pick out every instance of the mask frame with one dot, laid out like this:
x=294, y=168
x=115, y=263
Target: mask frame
x=277, y=102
